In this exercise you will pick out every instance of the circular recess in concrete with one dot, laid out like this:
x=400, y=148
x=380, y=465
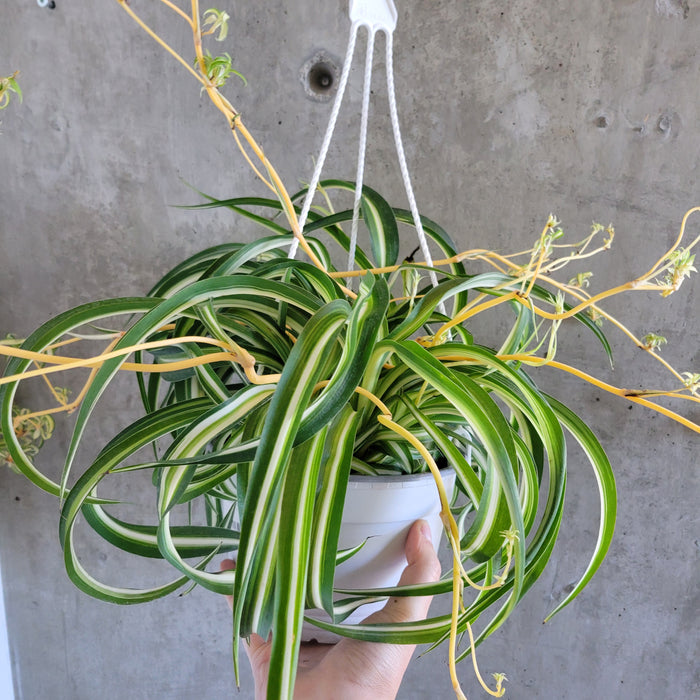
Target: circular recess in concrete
x=599, y=116
x=664, y=124
x=668, y=124
x=319, y=75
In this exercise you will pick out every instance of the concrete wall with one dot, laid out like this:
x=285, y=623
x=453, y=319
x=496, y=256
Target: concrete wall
x=510, y=111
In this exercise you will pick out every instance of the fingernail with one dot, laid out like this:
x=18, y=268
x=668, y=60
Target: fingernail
x=425, y=531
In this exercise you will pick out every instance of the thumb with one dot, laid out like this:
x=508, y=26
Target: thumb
x=228, y=565
x=423, y=567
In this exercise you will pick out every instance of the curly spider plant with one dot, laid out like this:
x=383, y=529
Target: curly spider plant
x=264, y=386
x=266, y=381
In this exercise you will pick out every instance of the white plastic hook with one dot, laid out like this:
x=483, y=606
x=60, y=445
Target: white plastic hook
x=376, y=15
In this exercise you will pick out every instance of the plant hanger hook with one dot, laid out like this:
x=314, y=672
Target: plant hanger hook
x=375, y=16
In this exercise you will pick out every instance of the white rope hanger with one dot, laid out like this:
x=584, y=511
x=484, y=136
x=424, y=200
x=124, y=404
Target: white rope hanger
x=375, y=16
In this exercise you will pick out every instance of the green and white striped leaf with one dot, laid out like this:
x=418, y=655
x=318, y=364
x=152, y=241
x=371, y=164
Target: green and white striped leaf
x=292, y=563
x=293, y=394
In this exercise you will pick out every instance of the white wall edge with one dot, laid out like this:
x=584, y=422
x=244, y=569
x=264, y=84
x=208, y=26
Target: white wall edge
x=6, y=687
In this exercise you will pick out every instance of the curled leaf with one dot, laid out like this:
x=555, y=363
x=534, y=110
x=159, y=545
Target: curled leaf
x=31, y=433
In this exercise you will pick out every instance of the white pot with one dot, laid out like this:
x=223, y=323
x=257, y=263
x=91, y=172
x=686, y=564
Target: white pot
x=379, y=510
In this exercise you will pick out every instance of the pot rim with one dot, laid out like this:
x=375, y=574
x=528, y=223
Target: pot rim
x=399, y=481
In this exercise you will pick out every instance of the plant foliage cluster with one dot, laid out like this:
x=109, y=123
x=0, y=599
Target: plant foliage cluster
x=266, y=381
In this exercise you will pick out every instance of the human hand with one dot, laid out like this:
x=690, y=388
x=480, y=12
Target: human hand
x=352, y=669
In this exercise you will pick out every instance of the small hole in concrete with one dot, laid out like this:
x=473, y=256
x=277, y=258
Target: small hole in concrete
x=319, y=76
x=664, y=124
x=601, y=122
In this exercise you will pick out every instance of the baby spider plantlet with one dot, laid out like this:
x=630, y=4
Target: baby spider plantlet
x=551, y=233
x=609, y=229
x=595, y=316
x=691, y=381
x=500, y=679
x=681, y=266
x=217, y=20
x=218, y=69
x=652, y=341
x=582, y=280
x=9, y=85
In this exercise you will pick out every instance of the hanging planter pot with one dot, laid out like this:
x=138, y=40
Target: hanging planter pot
x=378, y=513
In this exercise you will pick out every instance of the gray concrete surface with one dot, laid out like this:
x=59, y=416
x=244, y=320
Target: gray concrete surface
x=510, y=111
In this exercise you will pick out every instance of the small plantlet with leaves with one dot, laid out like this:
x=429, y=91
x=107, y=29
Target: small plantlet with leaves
x=9, y=86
